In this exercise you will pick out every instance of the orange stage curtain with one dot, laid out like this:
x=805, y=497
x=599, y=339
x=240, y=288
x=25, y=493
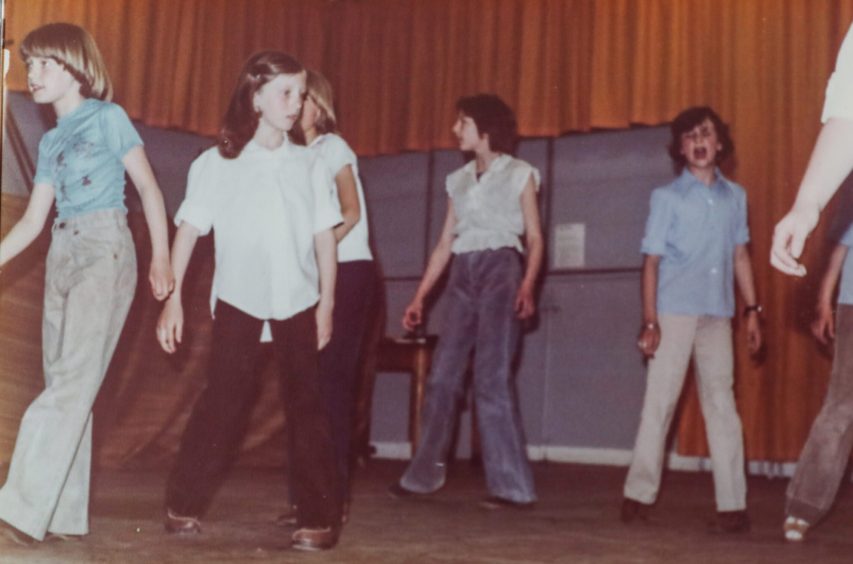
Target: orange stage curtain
x=565, y=65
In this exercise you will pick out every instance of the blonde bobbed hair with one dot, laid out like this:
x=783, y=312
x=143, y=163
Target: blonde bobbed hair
x=72, y=47
x=320, y=92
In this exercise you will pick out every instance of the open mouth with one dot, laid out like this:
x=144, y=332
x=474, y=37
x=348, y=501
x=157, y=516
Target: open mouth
x=700, y=153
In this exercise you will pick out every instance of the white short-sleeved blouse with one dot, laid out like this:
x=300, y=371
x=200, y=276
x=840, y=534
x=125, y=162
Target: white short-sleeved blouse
x=264, y=207
x=488, y=210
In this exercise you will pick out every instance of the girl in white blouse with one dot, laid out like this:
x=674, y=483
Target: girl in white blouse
x=491, y=208
x=354, y=288
x=271, y=205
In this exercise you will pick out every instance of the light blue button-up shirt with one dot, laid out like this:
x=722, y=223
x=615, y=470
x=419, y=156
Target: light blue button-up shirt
x=845, y=293
x=695, y=228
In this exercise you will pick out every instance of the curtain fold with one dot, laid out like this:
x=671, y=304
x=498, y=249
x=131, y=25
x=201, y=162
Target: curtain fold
x=564, y=65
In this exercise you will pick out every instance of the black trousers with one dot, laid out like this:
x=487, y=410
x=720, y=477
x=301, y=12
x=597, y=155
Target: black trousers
x=339, y=360
x=218, y=421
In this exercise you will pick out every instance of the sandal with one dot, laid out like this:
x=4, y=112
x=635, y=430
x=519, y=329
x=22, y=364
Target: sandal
x=795, y=529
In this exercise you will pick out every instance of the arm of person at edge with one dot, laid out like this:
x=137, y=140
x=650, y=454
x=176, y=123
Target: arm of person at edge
x=160, y=275
x=823, y=326
x=170, y=325
x=326, y=252
x=830, y=163
x=746, y=284
x=525, y=304
x=30, y=225
x=649, y=339
x=348, y=198
x=413, y=316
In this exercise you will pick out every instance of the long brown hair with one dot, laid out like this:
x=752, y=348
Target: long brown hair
x=241, y=119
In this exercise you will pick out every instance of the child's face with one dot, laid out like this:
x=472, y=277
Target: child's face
x=700, y=146
x=280, y=100
x=49, y=81
x=468, y=135
x=310, y=115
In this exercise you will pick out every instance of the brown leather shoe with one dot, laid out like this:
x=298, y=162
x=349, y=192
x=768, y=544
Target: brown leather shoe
x=732, y=522
x=181, y=524
x=313, y=540
x=633, y=510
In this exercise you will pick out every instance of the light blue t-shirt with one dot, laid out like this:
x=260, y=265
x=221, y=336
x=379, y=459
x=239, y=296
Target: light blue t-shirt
x=81, y=158
x=695, y=228
x=845, y=292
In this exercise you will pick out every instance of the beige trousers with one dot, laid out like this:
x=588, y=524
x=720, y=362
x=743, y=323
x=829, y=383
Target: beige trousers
x=709, y=341
x=89, y=285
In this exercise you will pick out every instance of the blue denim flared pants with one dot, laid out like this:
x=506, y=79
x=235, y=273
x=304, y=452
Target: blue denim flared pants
x=480, y=316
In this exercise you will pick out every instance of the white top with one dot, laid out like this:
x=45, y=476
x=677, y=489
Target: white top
x=265, y=207
x=488, y=210
x=337, y=154
x=839, y=89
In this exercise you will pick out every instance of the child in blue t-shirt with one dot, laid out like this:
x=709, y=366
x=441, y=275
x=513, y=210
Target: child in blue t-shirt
x=90, y=275
x=823, y=462
x=695, y=248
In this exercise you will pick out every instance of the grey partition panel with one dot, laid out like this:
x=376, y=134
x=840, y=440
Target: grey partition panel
x=443, y=163
x=604, y=180
x=395, y=188
x=171, y=153
x=596, y=377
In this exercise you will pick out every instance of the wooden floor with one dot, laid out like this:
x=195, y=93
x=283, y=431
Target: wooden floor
x=576, y=520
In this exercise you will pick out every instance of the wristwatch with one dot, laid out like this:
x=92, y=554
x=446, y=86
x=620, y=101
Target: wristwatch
x=756, y=308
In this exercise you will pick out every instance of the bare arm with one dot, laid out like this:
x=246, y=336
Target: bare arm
x=160, y=274
x=170, y=326
x=746, y=285
x=823, y=327
x=348, y=198
x=830, y=163
x=438, y=260
x=326, y=252
x=650, y=333
x=30, y=225
x=525, y=304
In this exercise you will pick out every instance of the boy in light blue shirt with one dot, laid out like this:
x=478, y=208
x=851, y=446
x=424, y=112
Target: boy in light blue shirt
x=694, y=247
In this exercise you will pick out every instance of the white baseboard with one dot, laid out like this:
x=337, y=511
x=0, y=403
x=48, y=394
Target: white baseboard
x=608, y=457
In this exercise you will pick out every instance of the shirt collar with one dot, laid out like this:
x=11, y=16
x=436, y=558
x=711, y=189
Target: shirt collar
x=254, y=148
x=687, y=180
x=500, y=163
x=78, y=111
x=317, y=140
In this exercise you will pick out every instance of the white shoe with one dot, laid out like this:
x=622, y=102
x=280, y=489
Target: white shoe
x=795, y=529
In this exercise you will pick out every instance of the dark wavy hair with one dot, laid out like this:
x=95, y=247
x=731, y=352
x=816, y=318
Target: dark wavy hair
x=493, y=117
x=686, y=121
x=241, y=119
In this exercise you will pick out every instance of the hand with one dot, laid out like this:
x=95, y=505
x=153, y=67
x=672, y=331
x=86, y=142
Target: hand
x=323, y=316
x=823, y=327
x=170, y=325
x=649, y=339
x=413, y=315
x=525, y=306
x=789, y=237
x=161, y=278
x=753, y=333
